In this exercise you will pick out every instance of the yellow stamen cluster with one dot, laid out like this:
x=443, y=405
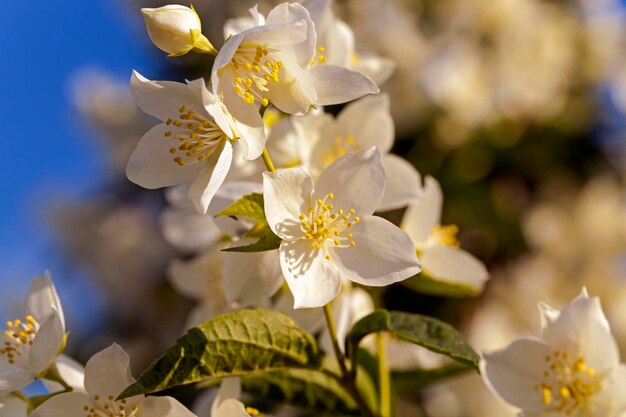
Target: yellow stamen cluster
x=446, y=235
x=253, y=68
x=319, y=58
x=341, y=146
x=18, y=338
x=568, y=383
x=196, y=136
x=102, y=406
x=324, y=227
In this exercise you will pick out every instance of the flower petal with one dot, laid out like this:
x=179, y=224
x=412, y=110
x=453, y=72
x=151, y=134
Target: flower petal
x=161, y=99
x=41, y=297
x=383, y=254
x=207, y=182
x=513, y=372
x=230, y=389
x=302, y=52
x=151, y=164
x=108, y=372
x=231, y=408
x=379, y=69
x=199, y=277
x=13, y=378
x=67, y=405
x=251, y=278
x=11, y=406
x=369, y=121
x=582, y=329
x=336, y=85
x=403, y=183
x=189, y=230
x=421, y=217
x=450, y=264
x=287, y=194
x=72, y=372
x=225, y=196
x=313, y=280
x=356, y=180
x=294, y=92
x=163, y=407
x=46, y=344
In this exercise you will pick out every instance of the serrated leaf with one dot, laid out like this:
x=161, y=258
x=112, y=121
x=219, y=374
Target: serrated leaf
x=311, y=389
x=425, y=284
x=419, y=379
x=267, y=241
x=250, y=206
x=238, y=343
x=428, y=332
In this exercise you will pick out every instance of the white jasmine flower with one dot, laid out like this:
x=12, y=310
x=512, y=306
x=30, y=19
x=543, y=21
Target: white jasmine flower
x=437, y=245
x=107, y=374
x=72, y=372
x=194, y=142
x=272, y=62
x=572, y=370
x=328, y=232
x=315, y=141
x=176, y=29
x=31, y=345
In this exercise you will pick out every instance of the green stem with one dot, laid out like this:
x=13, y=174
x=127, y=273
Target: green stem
x=347, y=377
x=52, y=374
x=268, y=161
x=383, y=375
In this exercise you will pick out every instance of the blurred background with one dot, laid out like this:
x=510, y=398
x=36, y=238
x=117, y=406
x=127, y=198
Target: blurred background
x=516, y=106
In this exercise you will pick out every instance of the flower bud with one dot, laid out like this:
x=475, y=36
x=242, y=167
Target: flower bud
x=176, y=30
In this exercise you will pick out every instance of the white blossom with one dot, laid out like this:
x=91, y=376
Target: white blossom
x=573, y=369
x=328, y=232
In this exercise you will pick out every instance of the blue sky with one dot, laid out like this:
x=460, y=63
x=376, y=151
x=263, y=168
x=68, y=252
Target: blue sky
x=47, y=154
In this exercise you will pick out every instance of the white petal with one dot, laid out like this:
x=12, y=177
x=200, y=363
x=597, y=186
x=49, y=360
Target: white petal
x=336, y=85
x=189, y=230
x=162, y=407
x=582, y=330
x=369, y=121
x=161, y=99
x=421, y=217
x=294, y=92
x=108, y=372
x=199, y=277
x=204, y=187
x=339, y=43
x=151, y=164
x=66, y=405
x=302, y=52
x=281, y=35
x=72, y=372
x=357, y=181
x=610, y=401
x=513, y=372
x=548, y=314
x=13, y=378
x=46, y=344
x=287, y=194
x=41, y=297
x=310, y=319
x=11, y=406
x=379, y=69
x=383, y=254
x=251, y=278
x=231, y=408
x=225, y=196
x=230, y=389
x=454, y=265
x=313, y=280
x=403, y=183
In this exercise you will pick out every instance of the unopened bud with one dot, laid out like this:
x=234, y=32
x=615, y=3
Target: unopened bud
x=176, y=30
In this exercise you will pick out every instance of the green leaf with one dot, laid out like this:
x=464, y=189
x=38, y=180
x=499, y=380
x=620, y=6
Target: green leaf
x=239, y=343
x=267, y=241
x=311, y=389
x=426, y=284
x=364, y=382
x=428, y=332
x=418, y=379
x=250, y=206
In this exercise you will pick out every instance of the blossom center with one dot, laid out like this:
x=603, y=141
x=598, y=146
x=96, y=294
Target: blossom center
x=568, y=383
x=106, y=406
x=18, y=338
x=445, y=235
x=340, y=147
x=324, y=227
x=196, y=136
x=254, y=66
